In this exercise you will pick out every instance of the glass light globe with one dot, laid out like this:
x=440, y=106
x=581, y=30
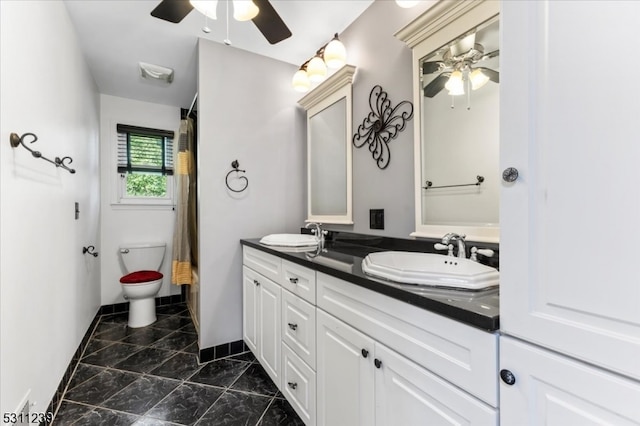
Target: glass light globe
x=455, y=85
x=244, y=10
x=301, y=82
x=316, y=69
x=478, y=79
x=206, y=7
x=335, y=55
x=407, y=3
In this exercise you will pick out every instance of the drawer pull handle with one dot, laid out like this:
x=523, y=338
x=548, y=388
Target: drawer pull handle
x=256, y=282
x=293, y=280
x=292, y=385
x=293, y=326
x=365, y=353
x=508, y=377
x=377, y=363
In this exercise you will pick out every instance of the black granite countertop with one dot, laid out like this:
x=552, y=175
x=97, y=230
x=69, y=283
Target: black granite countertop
x=343, y=260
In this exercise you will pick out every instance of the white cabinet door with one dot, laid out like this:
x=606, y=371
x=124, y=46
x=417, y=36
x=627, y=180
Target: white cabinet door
x=409, y=395
x=269, y=343
x=554, y=390
x=570, y=224
x=250, y=314
x=344, y=374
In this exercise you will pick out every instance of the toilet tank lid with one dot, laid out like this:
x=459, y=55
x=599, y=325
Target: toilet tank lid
x=142, y=245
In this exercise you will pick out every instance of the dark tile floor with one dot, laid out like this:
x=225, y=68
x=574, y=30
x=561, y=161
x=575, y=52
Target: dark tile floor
x=151, y=376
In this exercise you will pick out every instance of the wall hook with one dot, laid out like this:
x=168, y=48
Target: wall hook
x=90, y=250
x=236, y=169
x=16, y=140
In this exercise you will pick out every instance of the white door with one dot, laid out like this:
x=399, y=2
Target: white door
x=570, y=223
x=269, y=344
x=409, y=395
x=554, y=390
x=344, y=374
x=250, y=315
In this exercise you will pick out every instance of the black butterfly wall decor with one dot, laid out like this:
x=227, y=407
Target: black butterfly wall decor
x=381, y=125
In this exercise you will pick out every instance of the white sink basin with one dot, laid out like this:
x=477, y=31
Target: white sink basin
x=430, y=269
x=290, y=240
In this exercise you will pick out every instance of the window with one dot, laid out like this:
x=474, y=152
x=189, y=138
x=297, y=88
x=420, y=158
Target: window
x=145, y=165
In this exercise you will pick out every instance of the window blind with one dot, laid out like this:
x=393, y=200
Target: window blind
x=142, y=149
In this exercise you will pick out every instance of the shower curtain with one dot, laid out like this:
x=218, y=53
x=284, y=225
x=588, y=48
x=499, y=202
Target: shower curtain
x=185, y=235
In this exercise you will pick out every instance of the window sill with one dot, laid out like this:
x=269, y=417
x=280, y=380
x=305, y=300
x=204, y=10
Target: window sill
x=143, y=205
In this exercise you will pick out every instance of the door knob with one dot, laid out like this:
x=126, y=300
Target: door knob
x=508, y=377
x=292, y=385
x=293, y=280
x=293, y=326
x=365, y=353
x=377, y=363
x=256, y=282
x=510, y=174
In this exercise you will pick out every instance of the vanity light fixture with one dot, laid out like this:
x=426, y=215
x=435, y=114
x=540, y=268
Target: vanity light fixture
x=335, y=54
x=243, y=10
x=301, y=82
x=314, y=70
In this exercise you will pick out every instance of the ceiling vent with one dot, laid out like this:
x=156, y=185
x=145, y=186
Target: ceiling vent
x=156, y=72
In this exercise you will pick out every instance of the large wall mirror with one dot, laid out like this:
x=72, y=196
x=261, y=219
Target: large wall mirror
x=456, y=85
x=329, y=176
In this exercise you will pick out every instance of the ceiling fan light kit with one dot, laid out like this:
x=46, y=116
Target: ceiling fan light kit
x=260, y=12
x=244, y=10
x=314, y=70
x=405, y=4
x=206, y=7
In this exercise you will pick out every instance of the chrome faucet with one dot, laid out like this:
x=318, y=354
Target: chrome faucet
x=451, y=237
x=318, y=232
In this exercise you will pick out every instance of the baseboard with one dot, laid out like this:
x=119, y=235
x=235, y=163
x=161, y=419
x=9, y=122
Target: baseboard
x=66, y=378
x=104, y=310
x=117, y=308
x=221, y=351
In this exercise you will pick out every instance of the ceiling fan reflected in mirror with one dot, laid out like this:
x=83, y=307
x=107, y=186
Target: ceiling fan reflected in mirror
x=261, y=12
x=458, y=68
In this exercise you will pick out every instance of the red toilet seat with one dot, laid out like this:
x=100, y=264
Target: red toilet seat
x=141, y=277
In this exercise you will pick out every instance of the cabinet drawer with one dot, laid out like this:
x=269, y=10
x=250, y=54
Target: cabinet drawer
x=299, y=327
x=299, y=280
x=267, y=264
x=463, y=355
x=299, y=385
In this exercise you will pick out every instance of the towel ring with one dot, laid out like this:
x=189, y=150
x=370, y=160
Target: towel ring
x=235, y=166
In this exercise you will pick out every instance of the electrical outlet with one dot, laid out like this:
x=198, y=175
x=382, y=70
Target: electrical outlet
x=376, y=219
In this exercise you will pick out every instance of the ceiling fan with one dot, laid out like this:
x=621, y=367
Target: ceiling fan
x=267, y=20
x=459, y=61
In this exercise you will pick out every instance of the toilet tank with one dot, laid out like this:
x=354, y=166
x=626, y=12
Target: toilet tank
x=142, y=256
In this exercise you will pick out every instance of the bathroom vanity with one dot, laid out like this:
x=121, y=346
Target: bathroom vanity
x=348, y=349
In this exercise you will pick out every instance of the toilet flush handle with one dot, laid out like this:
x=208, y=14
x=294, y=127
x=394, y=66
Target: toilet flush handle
x=124, y=251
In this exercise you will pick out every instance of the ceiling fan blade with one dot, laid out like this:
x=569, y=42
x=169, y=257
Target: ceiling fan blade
x=269, y=23
x=492, y=74
x=436, y=85
x=490, y=55
x=431, y=67
x=172, y=10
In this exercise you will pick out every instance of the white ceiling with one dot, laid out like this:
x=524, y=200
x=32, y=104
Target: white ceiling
x=116, y=35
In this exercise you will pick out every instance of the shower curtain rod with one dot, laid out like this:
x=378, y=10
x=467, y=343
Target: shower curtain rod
x=192, y=104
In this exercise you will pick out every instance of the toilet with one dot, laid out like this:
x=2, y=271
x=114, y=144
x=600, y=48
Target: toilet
x=142, y=281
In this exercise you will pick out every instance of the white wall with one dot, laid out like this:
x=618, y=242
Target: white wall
x=382, y=59
x=130, y=224
x=247, y=111
x=49, y=291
